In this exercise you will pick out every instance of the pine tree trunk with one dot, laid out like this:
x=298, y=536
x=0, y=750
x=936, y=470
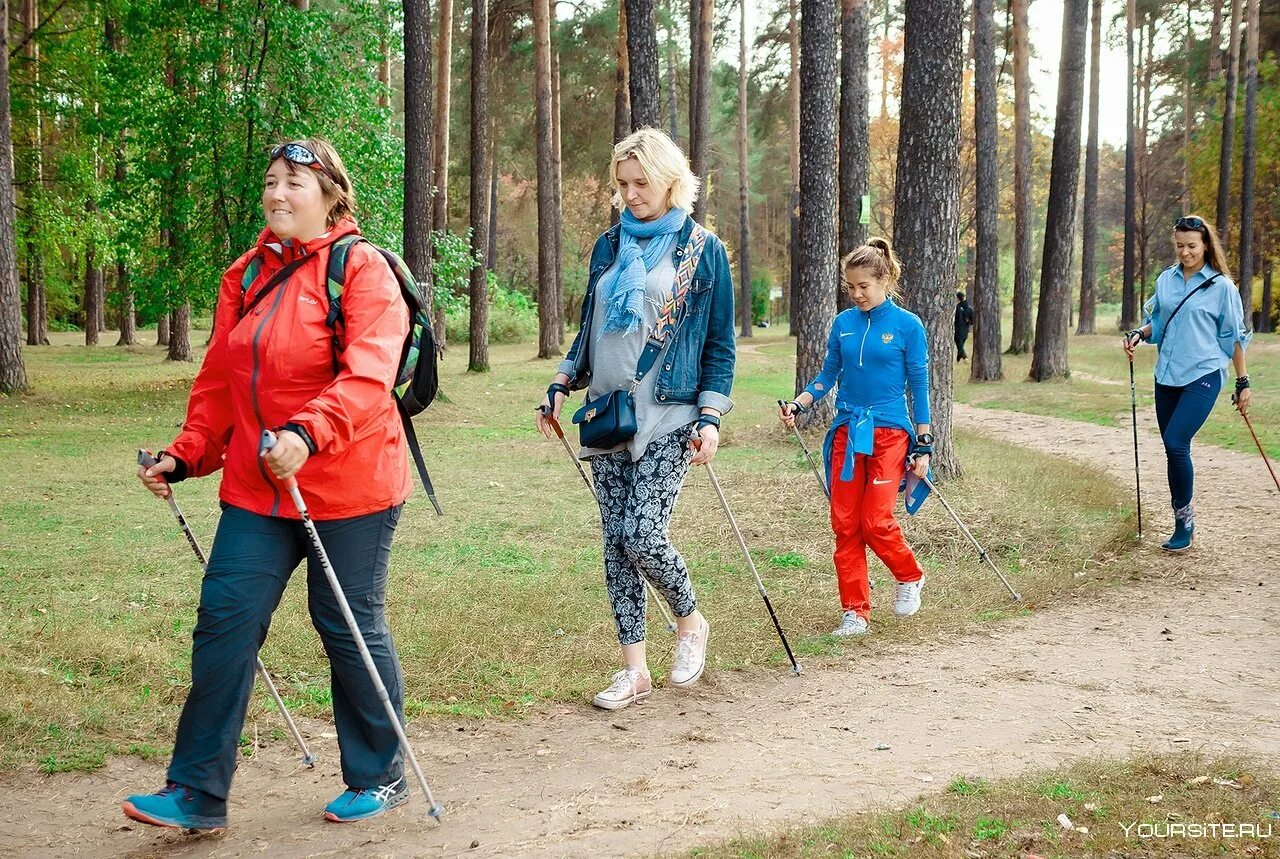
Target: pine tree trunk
x=1188, y=118
x=13, y=371
x=1215, y=42
x=1264, y=325
x=793, y=30
x=491, y=250
x=37, y=303
x=478, y=360
x=700, y=101
x=622, y=81
x=1228, y=128
x=548, y=338
x=927, y=194
x=419, y=149
x=1087, y=323
x=642, y=60
x=1128, y=295
x=162, y=329
x=986, y=362
x=1248, y=242
x=1020, y=339
x=384, y=72
x=855, y=27
x=128, y=317
x=440, y=130
x=673, y=106
x=557, y=171
x=1053, y=321
x=91, y=309
x=815, y=304
x=180, y=333
x=745, y=304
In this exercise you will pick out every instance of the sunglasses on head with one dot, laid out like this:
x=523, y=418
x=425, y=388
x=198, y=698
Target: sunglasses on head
x=299, y=154
x=1189, y=224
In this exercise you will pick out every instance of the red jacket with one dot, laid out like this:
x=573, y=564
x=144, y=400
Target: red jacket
x=279, y=364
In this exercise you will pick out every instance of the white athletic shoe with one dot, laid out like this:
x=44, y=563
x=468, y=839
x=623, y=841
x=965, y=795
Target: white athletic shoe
x=907, y=598
x=852, y=624
x=629, y=685
x=691, y=656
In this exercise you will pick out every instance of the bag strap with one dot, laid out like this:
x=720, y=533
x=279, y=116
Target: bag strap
x=411, y=438
x=667, y=317
x=1186, y=297
x=276, y=279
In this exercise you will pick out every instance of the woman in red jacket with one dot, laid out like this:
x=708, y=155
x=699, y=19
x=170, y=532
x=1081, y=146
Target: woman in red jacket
x=275, y=362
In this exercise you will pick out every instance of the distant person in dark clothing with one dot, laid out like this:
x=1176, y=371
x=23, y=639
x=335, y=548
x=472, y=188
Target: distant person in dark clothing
x=964, y=319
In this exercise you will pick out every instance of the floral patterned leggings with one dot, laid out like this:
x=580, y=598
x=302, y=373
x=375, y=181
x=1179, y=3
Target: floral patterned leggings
x=636, y=500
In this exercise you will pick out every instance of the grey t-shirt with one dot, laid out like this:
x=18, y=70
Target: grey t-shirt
x=614, y=355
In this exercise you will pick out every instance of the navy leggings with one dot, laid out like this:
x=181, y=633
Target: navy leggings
x=252, y=559
x=1181, y=411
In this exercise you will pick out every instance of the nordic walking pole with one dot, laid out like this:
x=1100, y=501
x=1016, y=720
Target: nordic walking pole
x=146, y=460
x=982, y=553
x=1249, y=424
x=1137, y=473
x=657, y=598
x=267, y=443
x=812, y=463
x=746, y=553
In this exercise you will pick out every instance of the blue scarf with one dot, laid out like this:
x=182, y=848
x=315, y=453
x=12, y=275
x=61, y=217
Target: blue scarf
x=623, y=293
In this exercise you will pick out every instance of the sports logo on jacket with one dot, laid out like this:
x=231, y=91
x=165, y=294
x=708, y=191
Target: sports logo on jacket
x=886, y=337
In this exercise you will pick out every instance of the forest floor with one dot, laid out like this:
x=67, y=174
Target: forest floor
x=1181, y=657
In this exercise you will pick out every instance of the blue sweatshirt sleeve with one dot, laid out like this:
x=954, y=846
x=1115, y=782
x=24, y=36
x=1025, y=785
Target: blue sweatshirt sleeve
x=830, y=375
x=917, y=356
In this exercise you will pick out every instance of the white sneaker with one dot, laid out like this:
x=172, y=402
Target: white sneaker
x=907, y=598
x=691, y=656
x=629, y=685
x=852, y=624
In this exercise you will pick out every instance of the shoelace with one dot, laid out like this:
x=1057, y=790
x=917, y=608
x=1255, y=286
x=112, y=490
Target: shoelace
x=849, y=622
x=172, y=788
x=685, y=652
x=623, y=680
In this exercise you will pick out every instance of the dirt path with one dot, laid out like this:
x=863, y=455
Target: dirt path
x=1183, y=659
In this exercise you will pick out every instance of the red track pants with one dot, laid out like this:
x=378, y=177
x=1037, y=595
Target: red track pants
x=862, y=516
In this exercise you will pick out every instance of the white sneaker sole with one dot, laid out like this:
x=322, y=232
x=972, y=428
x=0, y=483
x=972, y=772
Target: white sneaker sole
x=607, y=704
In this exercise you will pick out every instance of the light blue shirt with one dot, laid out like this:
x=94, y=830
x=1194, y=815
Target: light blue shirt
x=1203, y=336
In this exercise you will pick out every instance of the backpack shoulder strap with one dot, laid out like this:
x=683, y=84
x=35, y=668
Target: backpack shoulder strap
x=336, y=275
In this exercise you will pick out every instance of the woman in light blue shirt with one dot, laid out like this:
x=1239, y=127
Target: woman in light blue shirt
x=1196, y=320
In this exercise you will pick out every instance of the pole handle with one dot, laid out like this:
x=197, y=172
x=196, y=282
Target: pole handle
x=555, y=424
x=265, y=445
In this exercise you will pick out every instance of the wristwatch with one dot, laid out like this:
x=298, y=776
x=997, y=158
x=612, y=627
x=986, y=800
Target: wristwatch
x=925, y=438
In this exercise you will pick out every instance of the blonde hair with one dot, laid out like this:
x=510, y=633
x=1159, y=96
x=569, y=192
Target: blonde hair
x=1213, y=253
x=877, y=256
x=335, y=182
x=663, y=163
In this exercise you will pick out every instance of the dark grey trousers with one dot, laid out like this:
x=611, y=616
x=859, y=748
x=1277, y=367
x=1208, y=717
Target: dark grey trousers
x=253, y=557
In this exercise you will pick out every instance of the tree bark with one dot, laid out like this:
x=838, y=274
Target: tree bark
x=700, y=101
x=745, y=304
x=384, y=73
x=419, y=152
x=162, y=329
x=1215, y=42
x=1020, y=339
x=557, y=170
x=13, y=371
x=622, y=82
x=1228, y=128
x=1248, y=241
x=642, y=59
x=1128, y=295
x=1049, y=360
x=673, y=105
x=855, y=27
x=440, y=132
x=815, y=304
x=478, y=359
x=491, y=250
x=128, y=317
x=548, y=337
x=927, y=194
x=37, y=303
x=1087, y=321
x=986, y=362
x=1264, y=324
x=180, y=333
x=793, y=32
x=92, y=309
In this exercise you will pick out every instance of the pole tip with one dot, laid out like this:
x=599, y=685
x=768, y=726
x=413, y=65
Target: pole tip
x=309, y=760
x=671, y=627
x=436, y=811
x=796, y=670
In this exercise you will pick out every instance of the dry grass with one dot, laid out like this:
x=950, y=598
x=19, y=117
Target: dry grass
x=497, y=606
x=1149, y=807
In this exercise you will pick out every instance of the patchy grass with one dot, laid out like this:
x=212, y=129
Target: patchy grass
x=1147, y=807
x=499, y=606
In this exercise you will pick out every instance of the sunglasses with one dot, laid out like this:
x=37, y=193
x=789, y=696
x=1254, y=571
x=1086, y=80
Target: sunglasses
x=299, y=154
x=1189, y=224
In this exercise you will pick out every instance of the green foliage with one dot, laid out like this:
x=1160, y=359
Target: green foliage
x=761, y=283
x=451, y=268
x=512, y=315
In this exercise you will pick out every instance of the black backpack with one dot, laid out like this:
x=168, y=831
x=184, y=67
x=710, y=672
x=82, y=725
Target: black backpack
x=418, y=376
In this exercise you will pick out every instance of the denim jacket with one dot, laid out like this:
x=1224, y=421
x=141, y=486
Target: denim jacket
x=697, y=367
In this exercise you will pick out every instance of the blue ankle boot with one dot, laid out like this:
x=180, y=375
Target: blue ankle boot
x=1184, y=527
x=178, y=807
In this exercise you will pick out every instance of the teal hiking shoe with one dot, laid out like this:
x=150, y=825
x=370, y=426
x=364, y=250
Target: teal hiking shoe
x=362, y=803
x=178, y=807
x=1184, y=528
